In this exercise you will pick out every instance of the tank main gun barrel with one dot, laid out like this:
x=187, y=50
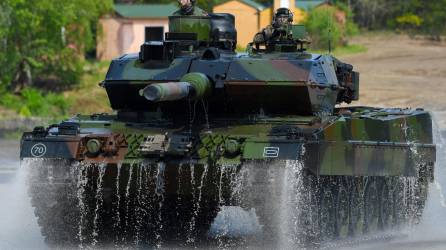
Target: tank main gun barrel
x=191, y=85
x=169, y=91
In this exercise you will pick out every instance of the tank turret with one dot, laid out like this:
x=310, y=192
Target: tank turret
x=279, y=78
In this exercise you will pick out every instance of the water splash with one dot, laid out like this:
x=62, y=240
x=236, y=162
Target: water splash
x=99, y=203
x=16, y=214
x=81, y=184
x=127, y=202
x=290, y=204
x=190, y=233
x=235, y=222
x=139, y=204
x=206, y=114
x=432, y=223
x=117, y=214
x=159, y=190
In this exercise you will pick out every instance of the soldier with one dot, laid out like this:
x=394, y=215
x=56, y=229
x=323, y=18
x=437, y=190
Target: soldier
x=278, y=29
x=188, y=8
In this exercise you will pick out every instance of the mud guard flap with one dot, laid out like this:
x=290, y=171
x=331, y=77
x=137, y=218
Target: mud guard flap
x=362, y=158
x=350, y=158
x=272, y=150
x=49, y=148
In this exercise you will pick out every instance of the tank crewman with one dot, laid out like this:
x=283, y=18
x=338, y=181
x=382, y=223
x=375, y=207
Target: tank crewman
x=282, y=19
x=188, y=8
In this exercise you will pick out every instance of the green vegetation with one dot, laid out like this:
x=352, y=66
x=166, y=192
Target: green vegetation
x=323, y=28
x=44, y=41
x=427, y=17
x=344, y=50
x=42, y=48
x=329, y=27
x=33, y=102
x=88, y=97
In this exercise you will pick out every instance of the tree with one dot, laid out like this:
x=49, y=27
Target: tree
x=388, y=14
x=46, y=39
x=323, y=28
x=434, y=18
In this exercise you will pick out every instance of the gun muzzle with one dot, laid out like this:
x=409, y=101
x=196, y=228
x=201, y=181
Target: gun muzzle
x=192, y=85
x=169, y=91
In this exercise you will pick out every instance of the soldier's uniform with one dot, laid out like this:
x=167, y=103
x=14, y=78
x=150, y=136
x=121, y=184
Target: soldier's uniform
x=190, y=10
x=282, y=18
x=265, y=35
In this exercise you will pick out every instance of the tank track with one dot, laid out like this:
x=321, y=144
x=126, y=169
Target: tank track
x=327, y=208
x=145, y=205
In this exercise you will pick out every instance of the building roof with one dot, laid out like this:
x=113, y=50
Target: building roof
x=254, y=4
x=145, y=10
x=251, y=3
x=308, y=4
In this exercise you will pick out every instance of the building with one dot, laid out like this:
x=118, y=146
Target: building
x=130, y=26
x=251, y=16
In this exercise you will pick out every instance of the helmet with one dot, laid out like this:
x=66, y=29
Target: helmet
x=282, y=16
x=192, y=2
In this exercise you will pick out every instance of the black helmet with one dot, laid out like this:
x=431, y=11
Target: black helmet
x=283, y=13
x=191, y=1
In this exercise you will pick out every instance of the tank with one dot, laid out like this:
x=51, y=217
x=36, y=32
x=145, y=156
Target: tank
x=207, y=146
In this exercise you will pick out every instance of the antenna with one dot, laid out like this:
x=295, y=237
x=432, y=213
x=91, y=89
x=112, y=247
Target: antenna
x=329, y=34
x=329, y=41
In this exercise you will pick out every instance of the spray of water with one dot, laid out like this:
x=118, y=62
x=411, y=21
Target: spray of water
x=432, y=225
x=16, y=214
x=159, y=190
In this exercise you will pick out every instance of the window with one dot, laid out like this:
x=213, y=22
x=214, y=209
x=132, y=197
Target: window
x=154, y=34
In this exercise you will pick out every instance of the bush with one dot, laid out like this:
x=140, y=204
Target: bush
x=44, y=41
x=326, y=29
x=33, y=102
x=409, y=21
x=323, y=28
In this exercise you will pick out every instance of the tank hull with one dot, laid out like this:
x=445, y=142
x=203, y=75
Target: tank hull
x=157, y=184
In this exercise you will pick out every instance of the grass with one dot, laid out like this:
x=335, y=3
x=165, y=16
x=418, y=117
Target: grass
x=88, y=97
x=346, y=50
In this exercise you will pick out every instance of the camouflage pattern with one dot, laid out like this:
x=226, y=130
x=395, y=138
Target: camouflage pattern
x=199, y=106
x=368, y=142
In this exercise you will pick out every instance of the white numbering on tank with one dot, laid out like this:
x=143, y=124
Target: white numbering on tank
x=271, y=152
x=38, y=150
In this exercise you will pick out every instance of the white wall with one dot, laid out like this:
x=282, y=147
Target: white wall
x=123, y=36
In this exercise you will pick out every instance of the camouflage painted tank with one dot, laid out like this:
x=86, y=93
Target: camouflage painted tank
x=207, y=144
